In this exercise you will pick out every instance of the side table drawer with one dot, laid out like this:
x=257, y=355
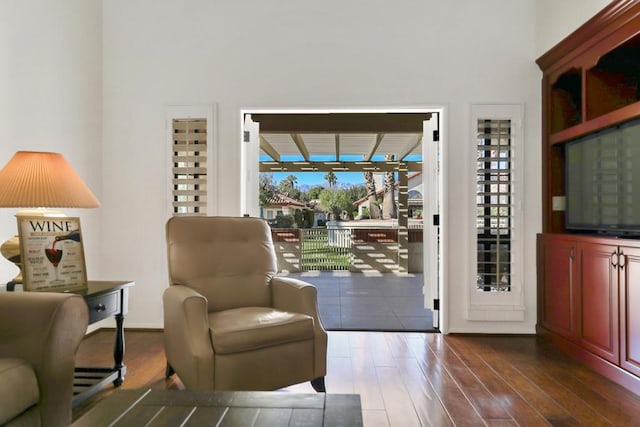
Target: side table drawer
x=102, y=306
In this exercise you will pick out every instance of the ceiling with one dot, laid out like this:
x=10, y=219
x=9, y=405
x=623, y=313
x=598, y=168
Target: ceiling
x=346, y=141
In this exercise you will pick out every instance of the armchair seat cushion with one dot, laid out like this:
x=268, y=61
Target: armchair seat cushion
x=18, y=388
x=251, y=328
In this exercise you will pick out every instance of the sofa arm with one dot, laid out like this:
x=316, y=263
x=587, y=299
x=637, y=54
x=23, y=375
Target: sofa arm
x=45, y=329
x=301, y=297
x=187, y=340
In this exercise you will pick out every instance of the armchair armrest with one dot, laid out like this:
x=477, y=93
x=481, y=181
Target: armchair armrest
x=301, y=297
x=45, y=329
x=294, y=295
x=187, y=338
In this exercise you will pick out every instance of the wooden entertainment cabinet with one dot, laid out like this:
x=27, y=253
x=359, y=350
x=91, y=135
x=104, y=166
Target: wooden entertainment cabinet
x=589, y=286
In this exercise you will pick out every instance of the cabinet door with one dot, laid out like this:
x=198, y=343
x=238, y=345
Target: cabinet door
x=557, y=287
x=598, y=308
x=630, y=309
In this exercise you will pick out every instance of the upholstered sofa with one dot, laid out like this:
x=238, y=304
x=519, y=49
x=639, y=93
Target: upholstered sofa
x=39, y=335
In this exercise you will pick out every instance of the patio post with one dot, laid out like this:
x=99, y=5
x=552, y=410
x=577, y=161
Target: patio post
x=403, y=218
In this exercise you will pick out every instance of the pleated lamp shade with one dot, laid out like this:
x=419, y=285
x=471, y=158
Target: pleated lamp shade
x=34, y=179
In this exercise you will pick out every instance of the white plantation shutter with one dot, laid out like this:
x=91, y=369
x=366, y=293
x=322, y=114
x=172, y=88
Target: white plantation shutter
x=494, y=205
x=189, y=171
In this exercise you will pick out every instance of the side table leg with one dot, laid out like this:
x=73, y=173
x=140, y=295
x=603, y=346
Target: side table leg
x=118, y=350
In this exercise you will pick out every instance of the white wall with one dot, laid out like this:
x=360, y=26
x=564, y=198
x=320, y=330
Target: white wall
x=556, y=19
x=271, y=54
x=50, y=81
x=289, y=53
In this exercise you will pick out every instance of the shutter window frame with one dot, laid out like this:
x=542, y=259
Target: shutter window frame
x=189, y=171
x=495, y=209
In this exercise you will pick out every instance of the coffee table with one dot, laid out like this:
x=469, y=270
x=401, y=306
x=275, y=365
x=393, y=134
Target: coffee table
x=224, y=408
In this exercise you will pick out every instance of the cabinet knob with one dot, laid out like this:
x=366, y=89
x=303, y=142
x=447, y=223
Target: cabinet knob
x=622, y=259
x=614, y=259
x=100, y=307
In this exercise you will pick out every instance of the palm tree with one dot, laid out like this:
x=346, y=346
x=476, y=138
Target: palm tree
x=291, y=180
x=268, y=189
x=288, y=186
x=374, y=209
x=331, y=178
x=389, y=202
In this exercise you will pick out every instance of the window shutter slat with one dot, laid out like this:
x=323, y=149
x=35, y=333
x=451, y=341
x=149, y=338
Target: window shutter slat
x=190, y=159
x=190, y=192
x=192, y=204
x=190, y=181
x=190, y=171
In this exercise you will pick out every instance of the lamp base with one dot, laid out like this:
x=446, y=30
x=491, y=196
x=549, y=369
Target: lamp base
x=11, y=251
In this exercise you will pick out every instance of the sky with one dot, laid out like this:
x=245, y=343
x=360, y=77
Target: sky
x=317, y=178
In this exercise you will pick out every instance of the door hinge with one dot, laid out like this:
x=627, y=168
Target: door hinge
x=436, y=135
x=247, y=136
x=436, y=220
x=436, y=304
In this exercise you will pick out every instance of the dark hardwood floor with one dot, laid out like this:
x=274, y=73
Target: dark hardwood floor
x=418, y=379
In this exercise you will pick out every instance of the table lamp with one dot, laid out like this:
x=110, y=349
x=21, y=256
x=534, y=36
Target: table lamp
x=40, y=180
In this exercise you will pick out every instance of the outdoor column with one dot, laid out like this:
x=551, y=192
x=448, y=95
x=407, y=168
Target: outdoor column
x=403, y=218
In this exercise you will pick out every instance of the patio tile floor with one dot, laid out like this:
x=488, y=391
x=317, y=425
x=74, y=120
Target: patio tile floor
x=361, y=302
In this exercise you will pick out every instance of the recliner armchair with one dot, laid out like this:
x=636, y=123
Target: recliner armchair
x=39, y=335
x=229, y=322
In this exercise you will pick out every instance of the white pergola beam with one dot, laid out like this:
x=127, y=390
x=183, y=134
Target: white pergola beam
x=374, y=147
x=410, y=147
x=302, y=148
x=268, y=149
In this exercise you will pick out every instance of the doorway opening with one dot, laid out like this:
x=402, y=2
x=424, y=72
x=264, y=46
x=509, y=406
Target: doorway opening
x=366, y=232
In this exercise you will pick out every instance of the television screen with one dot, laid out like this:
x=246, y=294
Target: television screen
x=603, y=181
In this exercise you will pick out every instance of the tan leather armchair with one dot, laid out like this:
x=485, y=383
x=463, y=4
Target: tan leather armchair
x=229, y=324
x=39, y=335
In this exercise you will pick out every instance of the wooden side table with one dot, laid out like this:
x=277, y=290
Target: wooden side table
x=104, y=299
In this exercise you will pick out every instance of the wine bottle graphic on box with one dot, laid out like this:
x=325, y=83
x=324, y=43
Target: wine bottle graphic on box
x=74, y=235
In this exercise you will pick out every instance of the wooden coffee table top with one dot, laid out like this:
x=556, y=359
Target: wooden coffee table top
x=228, y=408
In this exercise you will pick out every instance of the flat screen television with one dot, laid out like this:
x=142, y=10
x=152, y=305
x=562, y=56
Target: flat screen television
x=602, y=181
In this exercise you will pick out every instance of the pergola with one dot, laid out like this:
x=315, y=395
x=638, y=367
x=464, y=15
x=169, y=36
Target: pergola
x=334, y=137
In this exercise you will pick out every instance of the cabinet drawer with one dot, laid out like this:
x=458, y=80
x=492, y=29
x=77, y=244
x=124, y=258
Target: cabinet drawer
x=102, y=306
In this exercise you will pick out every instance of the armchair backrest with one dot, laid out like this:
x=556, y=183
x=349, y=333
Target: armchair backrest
x=229, y=260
